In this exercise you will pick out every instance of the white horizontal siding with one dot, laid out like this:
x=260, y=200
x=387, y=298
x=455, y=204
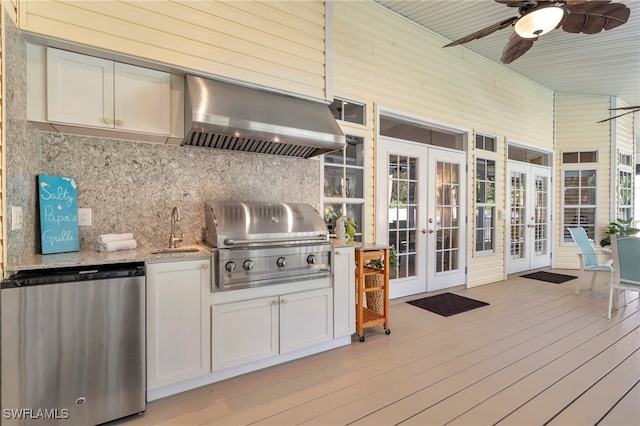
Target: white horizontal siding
x=487, y=268
x=276, y=44
x=577, y=130
x=384, y=60
x=623, y=130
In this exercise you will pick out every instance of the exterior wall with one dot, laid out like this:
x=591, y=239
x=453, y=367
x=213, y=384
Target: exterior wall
x=376, y=57
x=577, y=130
x=384, y=60
x=3, y=235
x=20, y=152
x=276, y=44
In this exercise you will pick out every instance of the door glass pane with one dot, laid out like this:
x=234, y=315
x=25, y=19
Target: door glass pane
x=540, y=211
x=403, y=213
x=518, y=220
x=447, y=206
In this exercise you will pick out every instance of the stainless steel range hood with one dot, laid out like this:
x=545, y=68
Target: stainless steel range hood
x=228, y=116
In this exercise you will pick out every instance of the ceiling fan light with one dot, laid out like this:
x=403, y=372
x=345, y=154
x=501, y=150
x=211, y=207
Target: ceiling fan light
x=539, y=22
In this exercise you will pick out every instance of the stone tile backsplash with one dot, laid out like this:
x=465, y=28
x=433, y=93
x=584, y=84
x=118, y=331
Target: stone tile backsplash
x=132, y=186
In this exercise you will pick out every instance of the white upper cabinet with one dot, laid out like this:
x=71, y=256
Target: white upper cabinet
x=142, y=99
x=87, y=91
x=79, y=89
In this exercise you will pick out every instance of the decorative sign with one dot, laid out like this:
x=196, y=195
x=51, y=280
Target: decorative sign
x=58, y=214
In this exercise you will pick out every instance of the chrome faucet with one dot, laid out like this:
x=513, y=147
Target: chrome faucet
x=175, y=217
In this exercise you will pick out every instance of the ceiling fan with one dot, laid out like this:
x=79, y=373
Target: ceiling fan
x=632, y=109
x=538, y=17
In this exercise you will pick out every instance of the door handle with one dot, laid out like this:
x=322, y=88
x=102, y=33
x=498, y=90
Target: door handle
x=431, y=231
x=424, y=231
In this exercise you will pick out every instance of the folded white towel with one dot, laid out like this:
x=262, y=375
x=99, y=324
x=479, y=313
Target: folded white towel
x=107, y=238
x=116, y=245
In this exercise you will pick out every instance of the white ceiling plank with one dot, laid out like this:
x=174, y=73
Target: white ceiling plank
x=604, y=64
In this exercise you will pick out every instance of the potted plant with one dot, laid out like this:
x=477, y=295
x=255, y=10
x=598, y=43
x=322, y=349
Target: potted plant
x=621, y=227
x=375, y=298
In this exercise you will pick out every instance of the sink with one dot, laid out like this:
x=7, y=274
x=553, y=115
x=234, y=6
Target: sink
x=176, y=250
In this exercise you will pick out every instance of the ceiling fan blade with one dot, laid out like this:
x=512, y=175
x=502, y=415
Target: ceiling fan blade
x=484, y=32
x=520, y=3
x=620, y=115
x=591, y=17
x=516, y=47
x=513, y=3
x=636, y=107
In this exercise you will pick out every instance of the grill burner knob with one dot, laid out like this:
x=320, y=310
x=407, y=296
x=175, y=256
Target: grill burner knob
x=281, y=262
x=247, y=265
x=311, y=259
x=230, y=267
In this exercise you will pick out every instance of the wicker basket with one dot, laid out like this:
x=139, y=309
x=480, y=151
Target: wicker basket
x=375, y=299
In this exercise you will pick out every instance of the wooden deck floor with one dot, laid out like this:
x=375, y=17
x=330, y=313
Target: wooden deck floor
x=538, y=354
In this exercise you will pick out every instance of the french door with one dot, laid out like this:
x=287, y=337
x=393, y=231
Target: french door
x=529, y=224
x=421, y=212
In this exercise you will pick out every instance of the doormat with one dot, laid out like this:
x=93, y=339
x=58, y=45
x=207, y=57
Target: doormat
x=447, y=304
x=549, y=277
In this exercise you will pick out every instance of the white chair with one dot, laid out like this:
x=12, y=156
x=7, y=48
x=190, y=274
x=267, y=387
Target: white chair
x=588, y=257
x=626, y=266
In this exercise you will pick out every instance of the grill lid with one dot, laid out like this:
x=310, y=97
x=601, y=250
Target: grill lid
x=242, y=224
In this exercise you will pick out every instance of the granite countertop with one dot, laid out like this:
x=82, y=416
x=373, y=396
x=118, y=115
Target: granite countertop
x=90, y=257
x=358, y=245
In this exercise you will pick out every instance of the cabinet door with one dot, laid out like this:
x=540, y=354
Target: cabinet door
x=178, y=321
x=244, y=332
x=142, y=99
x=306, y=319
x=344, y=288
x=79, y=89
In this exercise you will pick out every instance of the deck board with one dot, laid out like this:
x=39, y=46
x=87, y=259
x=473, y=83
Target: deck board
x=538, y=353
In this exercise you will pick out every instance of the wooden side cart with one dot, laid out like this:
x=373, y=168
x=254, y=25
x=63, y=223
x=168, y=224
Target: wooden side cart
x=368, y=317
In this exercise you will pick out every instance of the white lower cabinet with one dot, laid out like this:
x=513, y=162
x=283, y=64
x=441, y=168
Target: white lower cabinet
x=178, y=321
x=344, y=292
x=251, y=330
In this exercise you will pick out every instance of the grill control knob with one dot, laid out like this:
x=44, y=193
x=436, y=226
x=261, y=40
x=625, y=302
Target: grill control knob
x=247, y=265
x=311, y=259
x=281, y=262
x=230, y=267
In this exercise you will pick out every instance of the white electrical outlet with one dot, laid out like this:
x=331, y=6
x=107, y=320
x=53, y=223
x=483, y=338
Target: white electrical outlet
x=16, y=218
x=84, y=217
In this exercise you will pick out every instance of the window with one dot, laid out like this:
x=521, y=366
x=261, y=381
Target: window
x=625, y=186
x=625, y=195
x=485, y=205
x=350, y=111
x=528, y=155
x=344, y=184
x=579, y=202
x=487, y=143
x=580, y=157
x=625, y=159
x=405, y=129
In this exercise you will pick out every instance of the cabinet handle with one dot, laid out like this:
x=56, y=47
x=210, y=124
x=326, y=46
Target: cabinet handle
x=107, y=120
x=275, y=302
x=284, y=301
x=119, y=122
x=338, y=253
x=205, y=266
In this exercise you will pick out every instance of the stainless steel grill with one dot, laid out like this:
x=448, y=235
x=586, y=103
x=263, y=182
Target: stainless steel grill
x=256, y=244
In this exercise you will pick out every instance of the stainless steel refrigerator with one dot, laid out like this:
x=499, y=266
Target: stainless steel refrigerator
x=73, y=345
